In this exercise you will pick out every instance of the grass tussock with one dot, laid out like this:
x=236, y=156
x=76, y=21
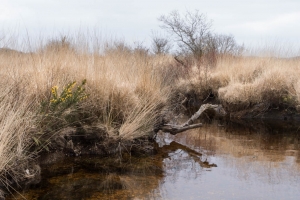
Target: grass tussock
x=16, y=120
x=256, y=80
x=245, y=81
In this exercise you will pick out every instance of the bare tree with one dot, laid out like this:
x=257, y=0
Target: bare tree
x=217, y=45
x=190, y=31
x=226, y=44
x=160, y=45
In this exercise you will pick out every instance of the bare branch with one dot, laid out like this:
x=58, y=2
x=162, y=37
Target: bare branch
x=160, y=45
x=189, y=30
x=193, y=36
x=174, y=129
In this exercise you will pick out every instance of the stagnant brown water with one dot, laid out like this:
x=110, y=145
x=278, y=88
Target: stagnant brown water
x=212, y=162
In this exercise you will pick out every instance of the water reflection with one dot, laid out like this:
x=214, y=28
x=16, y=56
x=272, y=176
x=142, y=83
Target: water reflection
x=97, y=178
x=212, y=162
x=254, y=162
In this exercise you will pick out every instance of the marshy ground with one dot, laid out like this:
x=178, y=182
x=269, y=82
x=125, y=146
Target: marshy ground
x=71, y=101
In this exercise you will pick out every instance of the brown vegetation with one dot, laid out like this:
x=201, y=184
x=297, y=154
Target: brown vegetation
x=127, y=95
x=242, y=82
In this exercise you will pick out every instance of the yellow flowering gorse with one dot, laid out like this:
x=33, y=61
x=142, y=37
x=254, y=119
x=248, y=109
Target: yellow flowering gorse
x=68, y=96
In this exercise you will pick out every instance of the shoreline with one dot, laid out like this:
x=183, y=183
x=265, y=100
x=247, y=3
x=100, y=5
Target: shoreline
x=96, y=142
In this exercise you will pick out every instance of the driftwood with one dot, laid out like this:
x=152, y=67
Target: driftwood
x=174, y=129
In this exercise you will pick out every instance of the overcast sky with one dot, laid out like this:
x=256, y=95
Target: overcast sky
x=252, y=22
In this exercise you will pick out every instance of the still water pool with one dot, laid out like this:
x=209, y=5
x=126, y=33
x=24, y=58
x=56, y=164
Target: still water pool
x=212, y=162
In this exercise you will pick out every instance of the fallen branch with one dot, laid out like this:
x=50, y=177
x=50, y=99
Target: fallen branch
x=174, y=129
x=217, y=109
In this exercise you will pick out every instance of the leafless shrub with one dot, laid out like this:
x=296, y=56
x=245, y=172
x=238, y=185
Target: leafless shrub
x=223, y=45
x=140, y=49
x=61, y=44
x=190, y=31
x=117, y=46
x=160, y=45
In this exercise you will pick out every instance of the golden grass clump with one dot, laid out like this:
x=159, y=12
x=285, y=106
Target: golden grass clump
x=255, y=80
x=244, y=81
x=16, y=120
x=122, y=85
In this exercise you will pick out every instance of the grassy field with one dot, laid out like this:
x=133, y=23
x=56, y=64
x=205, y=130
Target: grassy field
x=124, y=91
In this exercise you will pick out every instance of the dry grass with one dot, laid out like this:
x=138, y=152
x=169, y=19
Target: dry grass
x=256, y=80
x=248, y=80
x=126, y=94
x=127, y=90
x=16, y=119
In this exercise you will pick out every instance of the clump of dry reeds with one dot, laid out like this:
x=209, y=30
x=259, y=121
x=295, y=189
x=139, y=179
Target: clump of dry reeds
x=256, y=80
x=125, y=93
x=244, y=81
x=16, y=120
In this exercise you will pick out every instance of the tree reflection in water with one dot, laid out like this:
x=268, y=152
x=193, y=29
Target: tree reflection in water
x=257, y=161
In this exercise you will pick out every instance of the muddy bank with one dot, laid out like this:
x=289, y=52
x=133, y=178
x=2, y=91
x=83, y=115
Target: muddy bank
x=266, y=110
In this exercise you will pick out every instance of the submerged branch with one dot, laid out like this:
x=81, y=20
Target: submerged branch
x=174, y=129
